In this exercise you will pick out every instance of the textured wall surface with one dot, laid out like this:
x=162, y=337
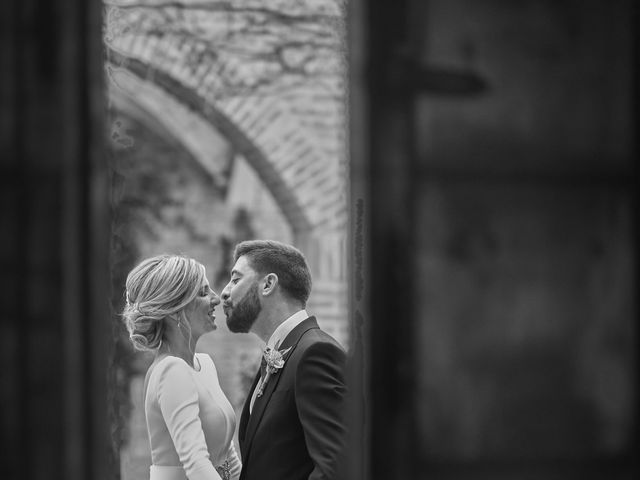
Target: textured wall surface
x=525, y=270
x=270, y=78
x=527, y=332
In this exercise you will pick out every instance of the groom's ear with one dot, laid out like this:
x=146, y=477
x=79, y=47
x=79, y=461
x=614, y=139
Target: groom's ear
x=269, y=284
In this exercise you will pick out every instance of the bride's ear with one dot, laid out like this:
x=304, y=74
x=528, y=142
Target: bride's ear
x=269, y=284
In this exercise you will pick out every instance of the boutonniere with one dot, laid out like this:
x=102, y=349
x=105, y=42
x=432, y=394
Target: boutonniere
x=274, y=360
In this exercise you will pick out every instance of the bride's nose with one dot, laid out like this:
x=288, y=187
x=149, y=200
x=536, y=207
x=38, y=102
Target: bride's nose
x=215, y=299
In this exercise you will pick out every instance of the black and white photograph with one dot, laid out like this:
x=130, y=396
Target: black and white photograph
x=319, y=239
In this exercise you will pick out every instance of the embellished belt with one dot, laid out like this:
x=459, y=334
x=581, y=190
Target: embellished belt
x=224, y=470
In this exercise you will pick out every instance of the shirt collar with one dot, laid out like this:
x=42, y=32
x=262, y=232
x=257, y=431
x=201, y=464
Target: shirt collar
x=286, y=327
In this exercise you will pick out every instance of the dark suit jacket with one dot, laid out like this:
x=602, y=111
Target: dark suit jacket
x=296, y=430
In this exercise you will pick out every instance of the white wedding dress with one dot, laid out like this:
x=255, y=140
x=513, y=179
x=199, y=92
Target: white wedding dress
x=190, y=422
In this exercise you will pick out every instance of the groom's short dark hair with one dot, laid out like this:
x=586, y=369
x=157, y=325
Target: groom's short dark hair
x=286, y=261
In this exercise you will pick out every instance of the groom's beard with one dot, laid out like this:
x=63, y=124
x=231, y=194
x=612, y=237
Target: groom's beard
x=244, y=314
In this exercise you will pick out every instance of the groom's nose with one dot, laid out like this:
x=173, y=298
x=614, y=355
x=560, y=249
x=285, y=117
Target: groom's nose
x=225, y=293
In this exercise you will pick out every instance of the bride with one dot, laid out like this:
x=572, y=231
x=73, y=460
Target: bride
x=190, y=422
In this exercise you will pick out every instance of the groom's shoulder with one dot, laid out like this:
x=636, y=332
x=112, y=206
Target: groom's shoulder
x=317, y=338
x=317, y=351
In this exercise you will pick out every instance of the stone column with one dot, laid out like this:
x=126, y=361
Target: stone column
x=53, y=241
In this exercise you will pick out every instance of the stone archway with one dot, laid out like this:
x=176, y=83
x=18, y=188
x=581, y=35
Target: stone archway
x=288, y=124
x=179, y=110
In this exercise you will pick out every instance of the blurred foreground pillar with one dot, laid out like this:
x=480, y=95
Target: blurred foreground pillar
x=494, y=227
x=54, y=235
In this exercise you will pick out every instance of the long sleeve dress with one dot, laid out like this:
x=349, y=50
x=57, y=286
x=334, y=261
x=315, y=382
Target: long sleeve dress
x=190, y=422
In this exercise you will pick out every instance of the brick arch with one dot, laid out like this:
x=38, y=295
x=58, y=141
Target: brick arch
x=292, y=133
x=284, y=197
x=152, y=106
x=291, y=130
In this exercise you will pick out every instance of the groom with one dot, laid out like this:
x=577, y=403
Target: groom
x=292, y=425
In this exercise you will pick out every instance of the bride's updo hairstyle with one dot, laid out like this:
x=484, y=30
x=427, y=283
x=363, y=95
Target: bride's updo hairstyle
x=159, y=288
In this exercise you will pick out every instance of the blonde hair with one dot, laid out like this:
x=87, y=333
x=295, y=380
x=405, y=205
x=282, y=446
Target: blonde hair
x=157, y=288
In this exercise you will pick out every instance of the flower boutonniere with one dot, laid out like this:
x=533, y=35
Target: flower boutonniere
x=274, y=361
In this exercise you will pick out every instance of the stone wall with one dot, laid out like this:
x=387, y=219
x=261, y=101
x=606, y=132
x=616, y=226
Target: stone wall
x=270, y=77
x=526, y=254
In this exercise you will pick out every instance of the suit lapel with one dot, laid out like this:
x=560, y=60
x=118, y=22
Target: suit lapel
x=244, y=417
x=261, y=403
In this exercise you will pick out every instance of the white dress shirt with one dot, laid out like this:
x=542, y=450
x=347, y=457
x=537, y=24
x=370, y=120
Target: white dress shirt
x=277, y=337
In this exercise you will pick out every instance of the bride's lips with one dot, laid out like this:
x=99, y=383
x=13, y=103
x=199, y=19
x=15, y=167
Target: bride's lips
x=212, y=317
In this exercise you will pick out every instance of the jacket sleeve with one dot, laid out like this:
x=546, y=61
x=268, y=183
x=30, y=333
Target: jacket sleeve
x=178, y=400
x=320, y=396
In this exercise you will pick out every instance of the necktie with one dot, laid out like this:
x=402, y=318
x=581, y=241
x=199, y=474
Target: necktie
x=263, y=368
x=263, y=371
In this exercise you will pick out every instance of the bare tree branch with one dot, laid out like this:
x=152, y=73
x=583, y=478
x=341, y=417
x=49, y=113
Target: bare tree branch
x=226, y=7
x=251, y=50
